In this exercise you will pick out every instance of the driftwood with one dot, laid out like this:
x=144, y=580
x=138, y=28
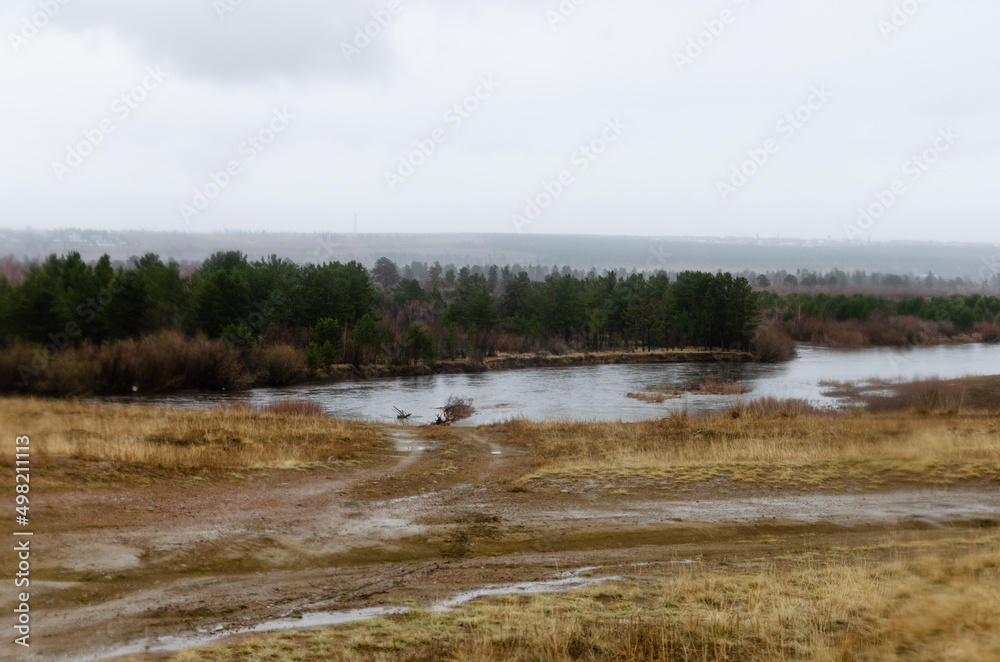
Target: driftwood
x=402, y=415
x=456, y=410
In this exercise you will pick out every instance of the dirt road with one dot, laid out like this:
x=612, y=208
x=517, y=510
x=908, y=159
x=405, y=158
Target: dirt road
x=432, y=521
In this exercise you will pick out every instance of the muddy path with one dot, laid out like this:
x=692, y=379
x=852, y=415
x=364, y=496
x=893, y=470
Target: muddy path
x=431, y=520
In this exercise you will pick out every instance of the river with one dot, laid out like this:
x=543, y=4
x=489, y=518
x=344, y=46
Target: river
x=599, y=392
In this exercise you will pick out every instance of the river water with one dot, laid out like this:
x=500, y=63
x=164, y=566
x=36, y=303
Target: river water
x=599, y=392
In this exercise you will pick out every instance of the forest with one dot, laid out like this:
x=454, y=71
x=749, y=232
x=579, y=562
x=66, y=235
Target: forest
x=265, y=311
x=68, y=326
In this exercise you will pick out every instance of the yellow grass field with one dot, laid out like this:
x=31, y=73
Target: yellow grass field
x=101, y=443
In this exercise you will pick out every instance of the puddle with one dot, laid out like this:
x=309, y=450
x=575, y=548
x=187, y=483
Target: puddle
x=427, y=495
x=567, y=581
x=325, y=619
x=570, y=581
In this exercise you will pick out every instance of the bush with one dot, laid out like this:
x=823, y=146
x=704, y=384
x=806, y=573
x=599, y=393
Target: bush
x=278, y=365
x=170, y=360
x=771, y=344
x=18, y=362
x=71, y=373
x=988, y=331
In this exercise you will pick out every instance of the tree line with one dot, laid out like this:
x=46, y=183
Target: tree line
x=344, y=313
x=964, y=311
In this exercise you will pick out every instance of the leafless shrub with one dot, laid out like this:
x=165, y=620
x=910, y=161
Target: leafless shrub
x=772, y=344
x=278, y=365
x=988, y=331
x=455, y=410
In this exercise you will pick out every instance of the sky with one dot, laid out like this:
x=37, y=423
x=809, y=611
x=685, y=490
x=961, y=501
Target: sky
x=853, y=120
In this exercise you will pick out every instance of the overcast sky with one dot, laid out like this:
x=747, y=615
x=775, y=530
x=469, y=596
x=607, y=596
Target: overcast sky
x=618, y=117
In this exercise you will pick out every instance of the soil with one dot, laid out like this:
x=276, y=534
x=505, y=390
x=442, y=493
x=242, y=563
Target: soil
x=157, y=567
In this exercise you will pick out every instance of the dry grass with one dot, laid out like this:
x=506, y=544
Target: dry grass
x=923, y=602
x=653, y=398
x=721, y=386
x=896, y=331
x=281, y=408
x=708, y=386
x=969, y=394
x=81, y=443
x=767, y=446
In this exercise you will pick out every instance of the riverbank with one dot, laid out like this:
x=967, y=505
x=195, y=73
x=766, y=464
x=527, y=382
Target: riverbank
x=500, y=362
x=170, y=362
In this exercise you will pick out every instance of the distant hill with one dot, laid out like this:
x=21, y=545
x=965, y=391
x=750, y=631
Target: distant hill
x=579, y=252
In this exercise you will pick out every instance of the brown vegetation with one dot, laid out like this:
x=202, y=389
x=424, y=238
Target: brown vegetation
x=720, y=386
x=97, y=443
x=281, y=407
x=988, y=332
x=708, y=386
x=457, y=409
x=772, y=344
x=968, y=394
x=775, y=442
x=166, y=361
x=897, y=331
x=775, y=408
x=919, y=602
x=653, y=398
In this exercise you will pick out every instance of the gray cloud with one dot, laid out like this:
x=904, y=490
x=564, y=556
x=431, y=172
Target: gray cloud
x=688, y=128
x=225, y=41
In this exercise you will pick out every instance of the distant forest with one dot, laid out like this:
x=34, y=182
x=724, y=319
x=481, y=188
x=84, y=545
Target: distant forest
x=68, y=326
x=367, y=316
